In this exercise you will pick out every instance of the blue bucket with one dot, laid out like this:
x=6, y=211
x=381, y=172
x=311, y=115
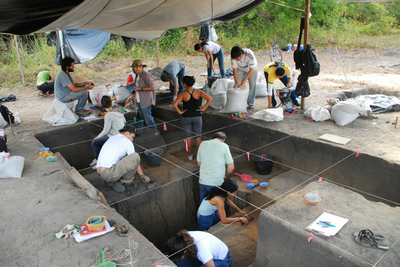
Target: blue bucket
x=153, y=156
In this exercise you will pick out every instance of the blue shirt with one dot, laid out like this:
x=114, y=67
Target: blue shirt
x=173, y=69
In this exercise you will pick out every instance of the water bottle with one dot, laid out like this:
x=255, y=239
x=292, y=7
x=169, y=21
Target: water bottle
x=289, y=47
x=301, y=47
x=295, y=47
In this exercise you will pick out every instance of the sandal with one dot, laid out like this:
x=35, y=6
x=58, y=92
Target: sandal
x=365, y=238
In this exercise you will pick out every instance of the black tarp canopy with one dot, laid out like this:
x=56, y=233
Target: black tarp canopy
x=141, y=19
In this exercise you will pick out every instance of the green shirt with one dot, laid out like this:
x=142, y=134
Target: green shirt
x=43, y=76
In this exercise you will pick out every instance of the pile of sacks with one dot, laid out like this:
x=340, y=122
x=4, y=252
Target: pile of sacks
x=342, y=112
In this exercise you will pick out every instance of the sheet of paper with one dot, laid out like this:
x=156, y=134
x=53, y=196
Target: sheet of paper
x=329, y=231
x=90, y=117
x=79, y=238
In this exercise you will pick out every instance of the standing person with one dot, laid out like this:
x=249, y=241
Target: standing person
x=118, y=162
x=197, y=248
x=113, y=121
x=145, y=94
x=191, y=114
x=212, y=51
x=244, y=65
x=67, y=90
x=45, y=83
x=212, y=208
x=281, y=71
x=215, y=161
x=173, y=73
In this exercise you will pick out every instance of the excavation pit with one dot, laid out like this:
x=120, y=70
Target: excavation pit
x=158, y=211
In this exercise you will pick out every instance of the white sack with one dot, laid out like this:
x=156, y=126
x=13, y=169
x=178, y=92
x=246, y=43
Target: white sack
x=261, y=89
x=120, y=92
x=345, y=112
x=317, y=113
x=271, y=114
x=218, y=101
x=220, y=86
x=97, y=93
x=12, y=167
x=59, y=114
x=3, y=122
x=236, y=101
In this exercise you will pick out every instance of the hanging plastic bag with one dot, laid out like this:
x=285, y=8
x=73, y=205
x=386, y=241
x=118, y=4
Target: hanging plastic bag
x=214, y=36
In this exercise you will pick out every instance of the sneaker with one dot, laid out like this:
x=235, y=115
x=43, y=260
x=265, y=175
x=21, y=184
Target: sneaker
x=190, y=157
x=93, y=163
x=117, y=186
x=144, y=178
x=83, y=112
x=251, y=106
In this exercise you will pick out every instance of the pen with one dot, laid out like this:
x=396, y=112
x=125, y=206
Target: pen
x=325, y=223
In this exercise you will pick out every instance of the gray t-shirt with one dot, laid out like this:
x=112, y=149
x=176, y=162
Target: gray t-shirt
x=173, y=69
x=61, y=85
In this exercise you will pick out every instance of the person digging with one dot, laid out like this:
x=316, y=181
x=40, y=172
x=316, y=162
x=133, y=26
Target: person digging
x=118, y=163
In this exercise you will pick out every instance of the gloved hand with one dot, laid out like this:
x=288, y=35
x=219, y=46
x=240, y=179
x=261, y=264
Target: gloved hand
x=174, y=98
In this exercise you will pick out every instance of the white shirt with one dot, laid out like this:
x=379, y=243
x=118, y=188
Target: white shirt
x=116, y=147
x=213, y=47
x=246, y=62
x=208, y=246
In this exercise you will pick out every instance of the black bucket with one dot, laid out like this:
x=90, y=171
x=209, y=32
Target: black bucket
x=263, y=164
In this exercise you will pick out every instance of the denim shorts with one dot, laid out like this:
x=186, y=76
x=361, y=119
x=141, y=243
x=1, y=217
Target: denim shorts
x=205, y=222
x=192, y=126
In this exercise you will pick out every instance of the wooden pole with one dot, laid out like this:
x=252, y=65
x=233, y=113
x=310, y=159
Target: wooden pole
x=306, y=25
x=158, y=53
x=20, y=61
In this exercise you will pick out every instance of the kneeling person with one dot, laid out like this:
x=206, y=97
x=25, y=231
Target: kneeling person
x=118, y=162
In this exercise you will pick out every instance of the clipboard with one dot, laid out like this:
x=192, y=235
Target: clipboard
x=336, y=223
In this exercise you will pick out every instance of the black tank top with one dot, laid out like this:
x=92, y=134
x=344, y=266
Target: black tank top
x=192, y=106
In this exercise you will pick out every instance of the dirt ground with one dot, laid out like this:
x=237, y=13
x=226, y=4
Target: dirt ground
x=350, y=70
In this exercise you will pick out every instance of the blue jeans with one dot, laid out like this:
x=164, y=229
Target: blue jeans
x=205, y=222
x=284, y=80
x=80, y=96
x=145, y=114
x=252, y=85
x=180, y=75
x=192, y=126
x=98, y=143
x=220, y=56
x=203, y=190
x=227, y=262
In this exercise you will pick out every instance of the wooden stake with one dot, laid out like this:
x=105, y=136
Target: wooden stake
x=19, y=60
x=158, y=53
x=395, y=123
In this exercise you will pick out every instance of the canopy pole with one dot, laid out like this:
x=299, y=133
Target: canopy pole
x=306, y=24
x=19, y=60
x=158, y=53
x=61, y=38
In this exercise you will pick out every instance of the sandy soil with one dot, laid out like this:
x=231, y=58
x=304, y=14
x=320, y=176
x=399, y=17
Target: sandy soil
x=351, y=70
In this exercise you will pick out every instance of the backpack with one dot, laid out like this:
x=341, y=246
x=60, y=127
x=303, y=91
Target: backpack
x=310, y=66
x=204, y=32
x=7, y=114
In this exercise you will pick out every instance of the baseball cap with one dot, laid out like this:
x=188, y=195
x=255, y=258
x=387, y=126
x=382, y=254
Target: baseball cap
x=128, y=128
